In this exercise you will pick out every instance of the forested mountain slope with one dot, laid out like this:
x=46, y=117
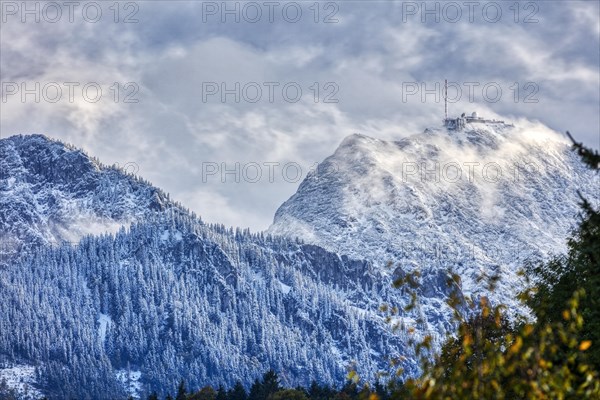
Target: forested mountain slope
x=167, y=296
x=108, y=287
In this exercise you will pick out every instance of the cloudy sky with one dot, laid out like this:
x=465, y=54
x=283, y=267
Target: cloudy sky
x=256, y=93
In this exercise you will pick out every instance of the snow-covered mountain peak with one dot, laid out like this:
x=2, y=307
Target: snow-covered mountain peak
x=486, y=196
x=499, y=140
x=356, y=141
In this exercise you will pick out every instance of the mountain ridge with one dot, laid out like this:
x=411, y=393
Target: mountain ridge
x=163, y=294
x=154, y=290
x=51, y=197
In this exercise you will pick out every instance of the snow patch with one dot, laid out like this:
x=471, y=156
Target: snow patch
x=131, y=382
x=104, y=322
x=21, y=379
x=285, y=288
x=177, y=236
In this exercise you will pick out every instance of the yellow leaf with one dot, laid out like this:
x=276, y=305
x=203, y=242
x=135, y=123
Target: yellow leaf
x=516, y=345
x=585, y=345
x=467, y=340
x=373, y=396
x=566, y=315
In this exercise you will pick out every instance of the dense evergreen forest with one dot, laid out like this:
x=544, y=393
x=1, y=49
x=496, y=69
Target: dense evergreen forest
x=555, y=357
x=270, y=388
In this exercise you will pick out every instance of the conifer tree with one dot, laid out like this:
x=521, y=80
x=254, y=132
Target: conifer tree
x=153, y=396
x=255, y=390
x=181, y=391
x=270, y=384
x=221, y=393
x=261, y=390
x=206, y=393
x=238, y=392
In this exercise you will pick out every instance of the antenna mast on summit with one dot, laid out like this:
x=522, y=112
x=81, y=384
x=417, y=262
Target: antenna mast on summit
x=446, y=99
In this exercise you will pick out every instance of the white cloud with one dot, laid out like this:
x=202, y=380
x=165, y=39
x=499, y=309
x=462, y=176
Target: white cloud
x=170, y=53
